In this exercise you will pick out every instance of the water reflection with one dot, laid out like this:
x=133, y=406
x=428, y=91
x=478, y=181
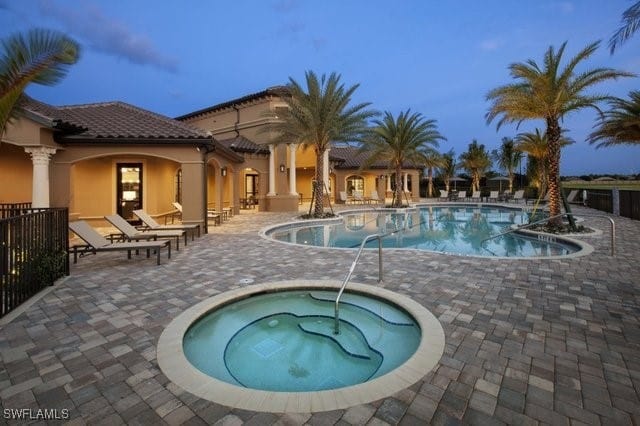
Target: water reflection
x=461, y=230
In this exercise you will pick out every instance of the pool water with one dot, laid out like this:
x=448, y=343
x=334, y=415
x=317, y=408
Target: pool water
x=285, y=341
x=451, y=229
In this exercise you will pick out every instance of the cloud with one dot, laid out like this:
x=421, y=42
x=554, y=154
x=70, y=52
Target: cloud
x=108, y=35
x=490, y=44
x=566, y=7
x=285, y=6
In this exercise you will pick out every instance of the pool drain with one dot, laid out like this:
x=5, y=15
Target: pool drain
x=246, y=281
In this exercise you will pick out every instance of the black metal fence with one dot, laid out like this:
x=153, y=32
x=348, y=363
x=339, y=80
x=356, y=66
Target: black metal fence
x=630, y=204
x=34, y=252
x=627, y=204
x=600, y=199
x=13, y=209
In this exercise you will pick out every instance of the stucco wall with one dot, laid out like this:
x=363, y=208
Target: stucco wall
x=16, y=175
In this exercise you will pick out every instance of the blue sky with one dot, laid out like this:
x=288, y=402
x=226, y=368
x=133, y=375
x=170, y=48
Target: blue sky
x=439, y=58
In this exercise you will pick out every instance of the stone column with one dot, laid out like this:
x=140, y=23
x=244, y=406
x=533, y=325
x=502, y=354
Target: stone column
x=292, y=169
x=388, y=179
x=325, y=168
x=40, y=157
x=272, y=170
x=405, y=183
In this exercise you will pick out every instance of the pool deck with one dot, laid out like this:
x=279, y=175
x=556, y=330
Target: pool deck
x=527, y=341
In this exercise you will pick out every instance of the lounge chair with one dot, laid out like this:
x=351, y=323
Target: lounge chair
x=462, y=194
x=544, y=200
x=152, y=224
x=493, y=195
x=96, y=242
x=518, y=196
x=132, y=234
x=571, y=198
x=476, y=196
x=374, y=197
x=444, y=195
x=343, y=197
x=357, y=197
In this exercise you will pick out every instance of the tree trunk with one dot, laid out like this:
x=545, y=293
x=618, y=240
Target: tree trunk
x=318, y=186
x=553, y=164
x=398, y=190
x=511, y=182
x=430, y=183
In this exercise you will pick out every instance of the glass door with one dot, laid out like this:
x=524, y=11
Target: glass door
x=129, y=189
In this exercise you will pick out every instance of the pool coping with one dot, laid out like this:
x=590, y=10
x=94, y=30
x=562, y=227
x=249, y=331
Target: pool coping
x=585, y=248
x=180, y=371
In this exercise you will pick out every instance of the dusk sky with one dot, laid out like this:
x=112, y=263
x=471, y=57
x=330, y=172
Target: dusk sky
x=439, y=58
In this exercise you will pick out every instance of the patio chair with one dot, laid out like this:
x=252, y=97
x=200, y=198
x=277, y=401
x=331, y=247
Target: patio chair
x=493, y=195
x=130, y=233
x=544, y=200
x=343, y=197
x=150, y=223
x=444, y=195
x=374, y=197
x=96, y=242
x=571, y=198
x=518, y=196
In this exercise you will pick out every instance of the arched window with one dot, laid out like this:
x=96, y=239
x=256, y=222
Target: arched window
x=355, y=186
x=177, y=186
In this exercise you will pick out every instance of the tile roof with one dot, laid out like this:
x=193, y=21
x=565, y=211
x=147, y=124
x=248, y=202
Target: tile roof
x=350, y=157
x=113, y=121
x=242, y=144
x=271, y=91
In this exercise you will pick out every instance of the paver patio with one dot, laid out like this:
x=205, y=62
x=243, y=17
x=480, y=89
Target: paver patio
x=527, y=341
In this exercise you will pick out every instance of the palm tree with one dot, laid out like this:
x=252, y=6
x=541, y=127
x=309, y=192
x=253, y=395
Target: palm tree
x=620, y=125
x=398, y=141
x=432, y=160
x=318, y=116
x=549, y=93
x=476, y=161
x=39, y=56
x=508, y=159
x=535, y=145
x=630, y=24
x=448, y=168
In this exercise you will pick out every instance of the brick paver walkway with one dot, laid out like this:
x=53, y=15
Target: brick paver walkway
x=527, y=341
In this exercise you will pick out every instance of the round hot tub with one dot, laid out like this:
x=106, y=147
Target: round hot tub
x=273, y=347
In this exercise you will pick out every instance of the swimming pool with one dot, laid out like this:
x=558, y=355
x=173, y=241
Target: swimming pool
x=177, y=362
x=452, y=229
x=285, y=341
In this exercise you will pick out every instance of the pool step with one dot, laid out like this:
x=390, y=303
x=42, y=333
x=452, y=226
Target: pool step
x=366, y=304
x=350, y=339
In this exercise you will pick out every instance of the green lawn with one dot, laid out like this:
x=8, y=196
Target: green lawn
x=630, y=185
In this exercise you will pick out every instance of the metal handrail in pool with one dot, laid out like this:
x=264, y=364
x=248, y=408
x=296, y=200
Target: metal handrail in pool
x=613, y=227
x=368, y=238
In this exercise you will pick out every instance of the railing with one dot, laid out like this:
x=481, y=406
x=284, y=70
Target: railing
x=613, y=227
x=353, y=267
x=33, y=254
x=13, y=209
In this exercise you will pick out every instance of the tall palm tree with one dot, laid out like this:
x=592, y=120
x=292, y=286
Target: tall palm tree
x=508, y=159
x=549, y=93
x=630, y=24
x=317, y=116
x=398, y=141
x=620, y=125
x=432, y=160
x=39, y=56
x=448, y=168
x=535, y=145
x=476, y=161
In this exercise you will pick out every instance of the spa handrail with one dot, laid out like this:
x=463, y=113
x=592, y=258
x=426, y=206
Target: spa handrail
x=528, y=225
x=353, y=267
